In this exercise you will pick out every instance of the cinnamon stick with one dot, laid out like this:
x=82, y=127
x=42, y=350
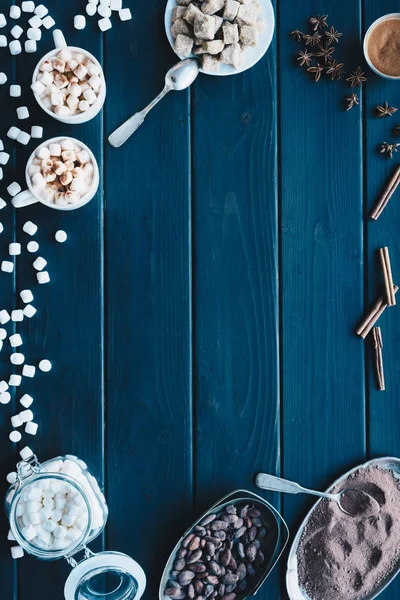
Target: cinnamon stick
x=387, y=274
x=386, y=195
x=378, y=346
x=373, y=315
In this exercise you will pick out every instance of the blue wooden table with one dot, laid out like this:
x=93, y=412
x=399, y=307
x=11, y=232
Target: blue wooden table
x=200, y=316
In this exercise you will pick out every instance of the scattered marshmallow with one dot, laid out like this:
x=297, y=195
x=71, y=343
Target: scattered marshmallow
x=32, y=247
x=17, y=315
x=15, y=12
x=13, y=133
x=26, y=400
x=26, y=415
x=79, y=22
x=91, y=9
x=5, y=398
x=125, y=14
x=3, y=41
x=10, y=536
x=14, y=188
x=3, y=335
x=4, y=158
x=1, y=227
x=29, y=311
x=25, y=454
x=15, y=91
x=3, y=204
x=14, y=249
x=15, y=47
x=34, y=34
x=16, y=421
x=15, y=380
x=16, y=32
x=15, y=340
x=28, y=6
x=15, y=436
x=45, y=365
x=3, y=78
x=104, y=10
x=7, y=266
x=40, y=263
x=4, y=317
x=30, y=46
x=43, y=277
x=30, y=228
x=36, y=132
x=12, y=477
x=26, y=296
x=60, y=236
x=1, y=173
x=104, y=24
x=31, y=428
x=116, y=5
x=16, y=551
x=3, y=21
x=23, y=138
x=48, y=22
x=41, y=11
x=35, y=22
x=17, y=358
x=29, y=371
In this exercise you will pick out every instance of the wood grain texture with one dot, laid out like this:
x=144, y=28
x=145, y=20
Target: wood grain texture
x=322, y=262
x=148, y=283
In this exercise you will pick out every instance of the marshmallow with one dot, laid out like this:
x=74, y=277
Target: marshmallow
x=15, y=47
x=125, y=14
x=4, y=158
x=116, y=5
x=91, y=9
x=13, y=133
x=48, y=22
x=16, y=551
x=79, y=22
x=30, y=46
x=17, y=315
x=55, y=149
x=90, y=96
x=30, y=228
x=12, y=477
x=29, y=371
x=15, y=436
x=43, y=277
x=34, y=34
x=23, y=138
x=95, y=82
x=104, y=10
x=36, y=132
x=43, y=152
x=45, y=365
x=5, y=398
x=39, y=181
x=7, y=266
x=14, y=188
x=10, y=536
x=14, y=249
x=28, y=6
x=95, y=2
x=60, y=531
x=26, y=415
x=1, y=173
x=26, y=400
x=17, y=358
x=4, y=317
x=3, y=335
x=49, y=525
x=29, y=532
x=38, y=88
x=3, y=41
x=26, y=296
x=15, y=380
x=35, y=22
x=16, y=32
x=3, y=78
x=84, y=105
x=40, y=263
x=3, y=21
x=15, y=91
x=41, y=10
x=15, y=12
x=15, y=340
x=93, y=69
x=32, y=247
x=104, y=24
x=29, y=311
x=3, y=204
x=60, y=236
x=16, y=421
x=26, y=453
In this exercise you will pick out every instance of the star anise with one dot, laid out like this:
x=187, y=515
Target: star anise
x=351, y=101
x=388, y=149
x=312, y=40
x=396, y=130
x=385, y=110
x=335, y=70
x=319, y=22
x=356, y=78
x=326, y=53
x=332, y=36
x=305, y=58
x=317, y=71
x=296, y=35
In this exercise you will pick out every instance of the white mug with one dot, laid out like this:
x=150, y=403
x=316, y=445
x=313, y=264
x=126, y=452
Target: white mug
x=28, y=197
x=60, y=43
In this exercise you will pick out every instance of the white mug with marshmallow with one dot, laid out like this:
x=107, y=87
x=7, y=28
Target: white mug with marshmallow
x=28, y=197
x=75, y=119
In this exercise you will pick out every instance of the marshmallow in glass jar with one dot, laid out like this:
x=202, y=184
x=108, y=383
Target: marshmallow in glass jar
x=68, y=83
x=55, y=509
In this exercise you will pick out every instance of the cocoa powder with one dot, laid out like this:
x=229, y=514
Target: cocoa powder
x=384, y=47
x=345, y=558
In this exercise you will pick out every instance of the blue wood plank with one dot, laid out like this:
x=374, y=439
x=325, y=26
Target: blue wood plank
x=148, y=228
x=322, y=261
x=384, y=413
x=236, y=283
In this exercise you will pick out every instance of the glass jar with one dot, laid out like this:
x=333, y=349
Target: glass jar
x=55, y=509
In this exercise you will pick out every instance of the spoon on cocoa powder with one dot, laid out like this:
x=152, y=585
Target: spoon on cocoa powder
x=351, y=501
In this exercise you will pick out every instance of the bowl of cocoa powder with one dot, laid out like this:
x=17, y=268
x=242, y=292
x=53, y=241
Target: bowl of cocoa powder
x=338, y=557
x=382, y=46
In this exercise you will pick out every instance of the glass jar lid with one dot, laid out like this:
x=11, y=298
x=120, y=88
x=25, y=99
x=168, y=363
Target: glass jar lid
x=106, y=576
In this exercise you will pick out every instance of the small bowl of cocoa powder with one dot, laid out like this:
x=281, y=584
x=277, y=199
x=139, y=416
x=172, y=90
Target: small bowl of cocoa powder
x=382, y=46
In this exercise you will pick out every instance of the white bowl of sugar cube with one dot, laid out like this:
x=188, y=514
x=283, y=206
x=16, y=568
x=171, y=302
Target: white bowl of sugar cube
x=68, y=83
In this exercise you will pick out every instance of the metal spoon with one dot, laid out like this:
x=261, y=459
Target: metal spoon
x=351, y=501
x=179, y=77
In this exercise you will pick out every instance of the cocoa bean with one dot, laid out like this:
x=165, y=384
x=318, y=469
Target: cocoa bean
x=182, y=553
x=221, y=535
x=241, y=531
x=229, y=518
x=238, y=523
x=244, y=510
x=207, y=520
x=231, y=596
x=241, y=571
x=230, y=588
x=210, y=548
x=197, y=567
x=202, y=575
x=217, y=525
x=223, y=570
x=201, y=531
x=254, y=512
x=174, y=573
x=198, y=586
x=221, y=589
x=185, y=577
x=252, y=534
x=247, y=522
x=251, y=552
x=200, y=598
x=187, y=540
x=257, y=522
x=233, y=564
x=175, y=593
x=194, y=543
x=250, y=570
x=242, y=585
x=215, y=568
x=257, y=544
x=230, y=578
x=208, y=590
x=259, y=559
x=213, y=540
x=179, y=564
x=231, y=509
x=225, y=557
x=241, y=550
x=194, y=557
x=213, y=579
x=262, y=532
x=190, y=591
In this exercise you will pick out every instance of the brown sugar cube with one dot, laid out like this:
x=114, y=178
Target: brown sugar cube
x=210, y=64
x=248, y=35
x=231, y=10
x=178, y=13
x=183, y=2
x=192, y=12
x=230, y=33
x=248, y=13
x=218, y=23
x=204, y=27
x=214, y=47
x=60, y=81
x=183, y=45
x=59, y=65
x=180, y=26
x=231, y=55
x=210, y=7
x=197, y=50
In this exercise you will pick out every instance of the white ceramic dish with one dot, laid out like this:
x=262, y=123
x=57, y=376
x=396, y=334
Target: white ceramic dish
x=292, y=580
x=388, y=17
x=251, y=56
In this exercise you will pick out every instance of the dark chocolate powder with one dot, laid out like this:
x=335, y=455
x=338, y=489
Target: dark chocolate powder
x=344, y=558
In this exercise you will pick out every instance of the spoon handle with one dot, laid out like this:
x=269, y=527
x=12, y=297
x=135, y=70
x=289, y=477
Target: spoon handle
x=124, y=132
x=277, y=484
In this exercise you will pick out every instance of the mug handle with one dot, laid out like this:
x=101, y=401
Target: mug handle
x=59, y=39
x=24, y=198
